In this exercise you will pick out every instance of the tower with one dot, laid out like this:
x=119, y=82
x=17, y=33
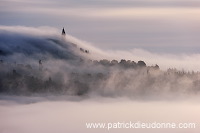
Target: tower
x=63, y=31
x=40, y=64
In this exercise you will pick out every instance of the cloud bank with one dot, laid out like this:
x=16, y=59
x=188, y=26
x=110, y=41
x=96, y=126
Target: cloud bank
x=66, y=116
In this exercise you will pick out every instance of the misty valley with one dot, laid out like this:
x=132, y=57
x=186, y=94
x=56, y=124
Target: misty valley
x=99, y=66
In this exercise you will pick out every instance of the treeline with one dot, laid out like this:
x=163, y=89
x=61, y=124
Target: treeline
x=21, y=82
x=114, y=78
x=124, y=64
x=26, y=79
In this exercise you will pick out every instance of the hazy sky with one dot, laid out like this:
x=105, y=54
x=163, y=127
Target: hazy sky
x=170, y=26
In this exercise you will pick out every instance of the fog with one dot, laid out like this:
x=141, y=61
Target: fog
x=50, y=115
x=51, y=83
x=56, y=83
x=41, y=60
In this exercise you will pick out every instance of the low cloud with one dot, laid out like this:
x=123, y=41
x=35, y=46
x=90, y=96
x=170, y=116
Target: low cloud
x=68, y=116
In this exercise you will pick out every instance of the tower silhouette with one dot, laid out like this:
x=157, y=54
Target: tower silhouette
x=63, y=31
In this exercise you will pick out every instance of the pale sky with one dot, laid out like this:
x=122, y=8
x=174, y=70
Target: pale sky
x=169, y=26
